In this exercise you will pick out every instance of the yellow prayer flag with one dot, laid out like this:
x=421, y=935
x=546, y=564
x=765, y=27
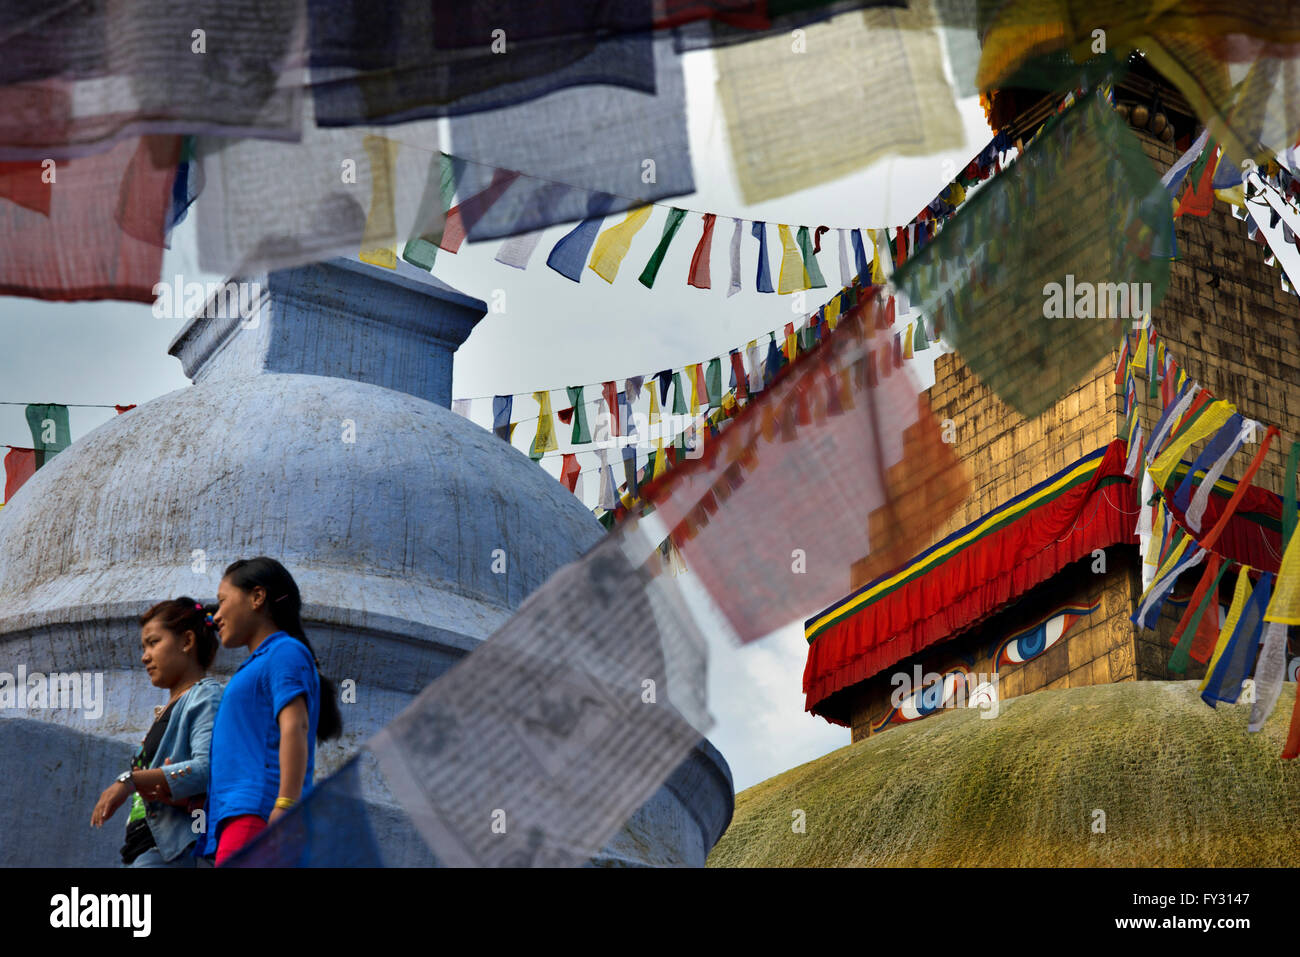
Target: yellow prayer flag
x=1157, y=535
x=1170, y=562
x=793, y=276
x=1213, y=418
x=379, y=238
x=878, y=276
x=1284, y=607
x=545, y=440
x=661, y=460
x=1239, y=599
x=1140, y=353
x=833, y=313
x=612, y=245
x=907, y=341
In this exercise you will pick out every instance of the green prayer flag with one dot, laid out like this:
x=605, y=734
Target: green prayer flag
x=675, y=217
x=423, y=250
x=679, y=397
x=581, y=434
x=1015, y=315
x=713, y=383
x=1289, y=496
x=1179, y=659
x=50, y=431
x=815, y=280
x=919, y=341
x=1198, y=168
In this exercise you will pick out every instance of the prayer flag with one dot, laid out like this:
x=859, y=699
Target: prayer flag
x=699, y=275
x=545, y=440
x=1204, y=596
x=860, y=257
x=713, y=381
x=570, y=471
x=763, y=282
x=581, y=434
x=921, y=342
x=792, y=277
x=734, y=286
x=1240, y=595
x=569, y=255
x=739, y=376
x=1269, y=672
x=517, y=250
x=1285, y=606
x=671, y=225
x=20, y=465
x=610, y=392
x=501, y=406
x=612, y=245
x=51, y=433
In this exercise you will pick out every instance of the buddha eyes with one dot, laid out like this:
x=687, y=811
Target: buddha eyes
x=926, y=701
x=1030, y=644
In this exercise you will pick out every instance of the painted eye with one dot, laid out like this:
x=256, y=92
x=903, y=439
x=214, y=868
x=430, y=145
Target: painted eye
x=926, y=701
x=1030, y=644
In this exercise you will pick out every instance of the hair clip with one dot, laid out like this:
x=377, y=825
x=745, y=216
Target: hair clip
x=207, y=620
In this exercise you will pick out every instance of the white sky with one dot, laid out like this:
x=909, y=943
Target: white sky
x=553, y=333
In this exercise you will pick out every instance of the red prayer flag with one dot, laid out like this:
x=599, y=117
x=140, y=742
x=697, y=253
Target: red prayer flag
x=738, y=368
x=124, y=408
x=817, y=238
x=104, y=235
x=699, y=276
x=569, y=470
x=610, y=391
x=463, y=216
x=1198, y=198
x=1208, y=578
x=20, y=465
x=1292, y=748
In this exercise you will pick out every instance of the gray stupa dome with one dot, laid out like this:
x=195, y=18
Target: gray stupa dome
x=317, y=431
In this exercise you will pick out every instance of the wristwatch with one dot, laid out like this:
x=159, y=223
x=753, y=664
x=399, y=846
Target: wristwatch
x=125, y=778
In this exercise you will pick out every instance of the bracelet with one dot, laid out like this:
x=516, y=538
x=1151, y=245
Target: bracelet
x=285, y=803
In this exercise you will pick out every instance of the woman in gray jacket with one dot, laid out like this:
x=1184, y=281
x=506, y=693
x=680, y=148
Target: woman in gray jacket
x=168, y=777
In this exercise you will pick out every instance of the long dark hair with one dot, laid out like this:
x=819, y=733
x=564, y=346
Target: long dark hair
x=179, y=615
x=285, y=604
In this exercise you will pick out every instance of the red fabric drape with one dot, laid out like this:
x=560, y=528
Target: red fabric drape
x=974, y=583
x=1244, y=540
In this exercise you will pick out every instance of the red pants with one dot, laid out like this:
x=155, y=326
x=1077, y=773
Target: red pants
x=235, y=834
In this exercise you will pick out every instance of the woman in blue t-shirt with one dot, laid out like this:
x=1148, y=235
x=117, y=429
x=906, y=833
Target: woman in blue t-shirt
x=274, y=708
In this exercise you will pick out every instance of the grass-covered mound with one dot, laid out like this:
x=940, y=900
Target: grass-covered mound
x=1181, y=785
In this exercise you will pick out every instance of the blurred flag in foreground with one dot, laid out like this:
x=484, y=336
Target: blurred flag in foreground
x=578, y=709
